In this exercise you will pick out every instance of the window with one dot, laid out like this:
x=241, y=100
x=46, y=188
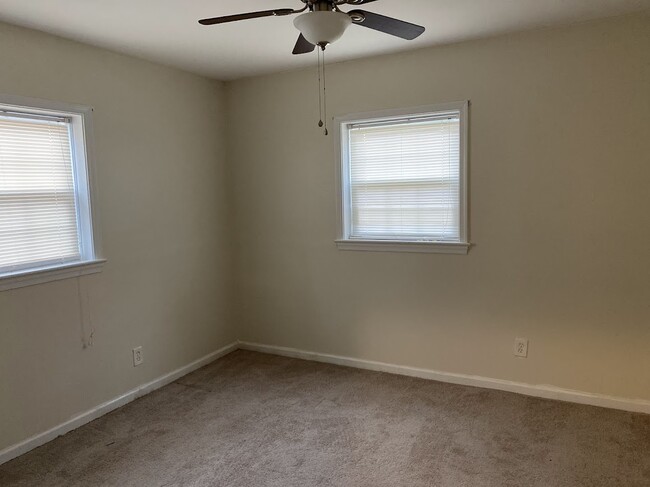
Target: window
x=403, y=180
x=46, y=228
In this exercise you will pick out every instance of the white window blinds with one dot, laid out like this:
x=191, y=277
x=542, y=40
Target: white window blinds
x=38, y=214
x=404, y=179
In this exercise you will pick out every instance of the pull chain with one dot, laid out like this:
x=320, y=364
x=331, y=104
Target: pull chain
x=322, y=93
x=320, y=89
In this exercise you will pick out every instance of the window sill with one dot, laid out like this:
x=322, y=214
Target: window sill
x=31, y=277
x=397, y=246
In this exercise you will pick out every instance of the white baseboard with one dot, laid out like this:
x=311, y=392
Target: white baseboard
x=543, y=391
x=88, y=416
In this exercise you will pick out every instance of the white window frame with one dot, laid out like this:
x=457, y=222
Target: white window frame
x=341, y=128
x=85, y=190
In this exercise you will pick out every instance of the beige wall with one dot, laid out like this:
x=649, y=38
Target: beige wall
x=162, y=199
x=560, y=171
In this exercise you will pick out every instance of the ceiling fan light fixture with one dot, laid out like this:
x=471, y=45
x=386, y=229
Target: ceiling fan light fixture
x=322, y=27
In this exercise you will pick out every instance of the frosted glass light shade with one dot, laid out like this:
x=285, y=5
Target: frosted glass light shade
x=322, y=27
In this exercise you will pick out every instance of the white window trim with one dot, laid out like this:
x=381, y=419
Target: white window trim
x=82, y=127
x=42, y=275
x=344, y=242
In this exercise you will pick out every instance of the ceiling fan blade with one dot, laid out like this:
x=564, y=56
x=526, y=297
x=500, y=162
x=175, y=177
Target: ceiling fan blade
x=359, y=2
x=389, y=25
x=252, y=15
x=303, y=46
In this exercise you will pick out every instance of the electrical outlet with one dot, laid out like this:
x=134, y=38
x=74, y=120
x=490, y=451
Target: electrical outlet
x=138, y=358
x=521, y=347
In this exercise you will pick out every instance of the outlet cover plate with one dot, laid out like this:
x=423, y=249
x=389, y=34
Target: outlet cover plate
x=138, y=358
x=521, y=347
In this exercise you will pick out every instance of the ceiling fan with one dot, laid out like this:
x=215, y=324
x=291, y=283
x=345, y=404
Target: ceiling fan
x=323, y=22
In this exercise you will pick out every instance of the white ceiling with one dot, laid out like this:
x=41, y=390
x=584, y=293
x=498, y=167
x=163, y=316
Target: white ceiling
x=167, y=31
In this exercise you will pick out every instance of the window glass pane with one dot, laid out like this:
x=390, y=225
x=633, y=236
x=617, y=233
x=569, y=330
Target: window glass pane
x=405, y=180
x=38, y=215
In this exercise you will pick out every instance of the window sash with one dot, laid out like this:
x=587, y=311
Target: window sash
x=39, y=214
x=404, y=178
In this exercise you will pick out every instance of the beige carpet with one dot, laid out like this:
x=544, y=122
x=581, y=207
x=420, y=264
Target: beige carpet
x=252, y=419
